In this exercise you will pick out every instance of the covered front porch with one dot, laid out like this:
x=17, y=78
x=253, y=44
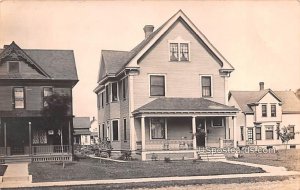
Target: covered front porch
x=32, y=139
x=181, y=132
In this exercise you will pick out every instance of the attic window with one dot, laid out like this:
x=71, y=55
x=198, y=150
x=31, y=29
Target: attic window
x=179, y=50
x=13, y=67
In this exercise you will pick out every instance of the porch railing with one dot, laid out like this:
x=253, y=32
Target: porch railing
x=50, y=149
x=4, y=152
x=167, y=145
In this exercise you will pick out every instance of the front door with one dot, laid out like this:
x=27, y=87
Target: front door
x=200, y=132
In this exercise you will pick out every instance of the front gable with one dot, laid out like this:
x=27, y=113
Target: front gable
x=16, y=64
x=180, y=17
x=269, y=97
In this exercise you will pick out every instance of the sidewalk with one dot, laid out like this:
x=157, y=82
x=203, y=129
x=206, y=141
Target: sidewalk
x=17, y=172
x=273, y=171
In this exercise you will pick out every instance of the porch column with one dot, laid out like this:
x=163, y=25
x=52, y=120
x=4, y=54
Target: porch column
x=70, y=136
x=143, y=132
x=234, y=131
x=5, y=143
x=194, y=132
x=29, y=131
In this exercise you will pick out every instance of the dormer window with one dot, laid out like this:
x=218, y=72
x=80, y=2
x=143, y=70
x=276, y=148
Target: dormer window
x=13, y=67
x=179, y=50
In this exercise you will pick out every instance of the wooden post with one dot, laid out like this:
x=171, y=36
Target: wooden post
x=234, y=131
x=30, y=146
x=70, y=136
x=143, y=133
x=194, y=132
x=5, y=143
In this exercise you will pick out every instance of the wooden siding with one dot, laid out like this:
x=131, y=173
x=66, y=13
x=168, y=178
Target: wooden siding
x=182, y=78
x=24, y=68
x=6, y=101
x=268, y=100
x=33, y=96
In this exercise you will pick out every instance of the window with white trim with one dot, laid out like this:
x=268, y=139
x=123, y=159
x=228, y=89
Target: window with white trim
x=179, y=50
x=206, y=84
x=115, y=130
x=158, y=128
x=107, y=94
x=217, y=122
x=157, y=85
x=269, y=132
x=47, y=91
x=19, y=98
x=114, y=92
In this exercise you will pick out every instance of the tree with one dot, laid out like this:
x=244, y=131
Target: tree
x=55, y=112
x=285, y=135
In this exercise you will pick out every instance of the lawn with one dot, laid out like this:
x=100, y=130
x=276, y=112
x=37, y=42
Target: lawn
x=2, y=169
x=92, y=169
x=290, y=160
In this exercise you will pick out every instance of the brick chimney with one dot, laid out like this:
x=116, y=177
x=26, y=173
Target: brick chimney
x=261, y=86
x=148, y=29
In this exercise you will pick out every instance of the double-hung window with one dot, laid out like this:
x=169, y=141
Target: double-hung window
x=250, y=135
x=291, y=129
x=102, y=99
x=264, y=110
x=157, y=85
x=115, y=130
x=125, y=129
x=242, y=133
x=179, y=51
x=124, y=90
x=258, y=132
x=206, y=84
x=273, y=110
x=114, y=91
x=107, y=94
x=19, y=99
x=158, y=128
x=269, y=132
x=47, y=91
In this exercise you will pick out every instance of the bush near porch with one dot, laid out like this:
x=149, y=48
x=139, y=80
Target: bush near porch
x=289, y=159
x=2, y=169
x=92, y=169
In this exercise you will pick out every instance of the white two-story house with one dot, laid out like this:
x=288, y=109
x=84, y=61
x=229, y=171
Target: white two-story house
x=263, y=113
x=158, y=98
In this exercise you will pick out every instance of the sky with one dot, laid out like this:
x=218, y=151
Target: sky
x=261, y=39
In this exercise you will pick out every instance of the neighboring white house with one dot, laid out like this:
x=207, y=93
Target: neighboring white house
x=94, y=131
x=262, y=113
x=82, y=133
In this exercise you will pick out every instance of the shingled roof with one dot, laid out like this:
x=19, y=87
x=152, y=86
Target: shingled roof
x=114, y=61
x=54, y=64
x=184, y=104
x=290, y=103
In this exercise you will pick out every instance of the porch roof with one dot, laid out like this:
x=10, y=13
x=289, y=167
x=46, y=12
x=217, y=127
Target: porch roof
x=184, y=105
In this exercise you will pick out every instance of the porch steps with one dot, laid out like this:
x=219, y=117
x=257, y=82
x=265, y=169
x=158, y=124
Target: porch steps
x=16, y=173
x=15, y=178
x=211, y=157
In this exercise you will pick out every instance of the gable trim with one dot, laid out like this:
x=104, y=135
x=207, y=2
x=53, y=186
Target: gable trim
x=14, y=48
x=134, y=61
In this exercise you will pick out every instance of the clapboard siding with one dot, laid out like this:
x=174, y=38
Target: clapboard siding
x=3, y=68
x=33, y=96
x=6, y=98
x=182, y=78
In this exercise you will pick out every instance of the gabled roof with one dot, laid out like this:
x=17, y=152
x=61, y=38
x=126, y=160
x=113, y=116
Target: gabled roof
x=244, y=99
x=81, y=123
x=290, y=102
x=51, y=64
x=184, y=104
x=116, y=61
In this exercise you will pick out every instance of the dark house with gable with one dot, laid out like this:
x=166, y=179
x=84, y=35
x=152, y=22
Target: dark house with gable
x=27, y=78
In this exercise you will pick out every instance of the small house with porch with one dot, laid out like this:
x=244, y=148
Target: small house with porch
x=27, y=78
x=167, y=96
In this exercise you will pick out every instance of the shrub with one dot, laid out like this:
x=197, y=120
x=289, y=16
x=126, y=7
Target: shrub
x=126, y=155
x=167, y=159
x=154, y=157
